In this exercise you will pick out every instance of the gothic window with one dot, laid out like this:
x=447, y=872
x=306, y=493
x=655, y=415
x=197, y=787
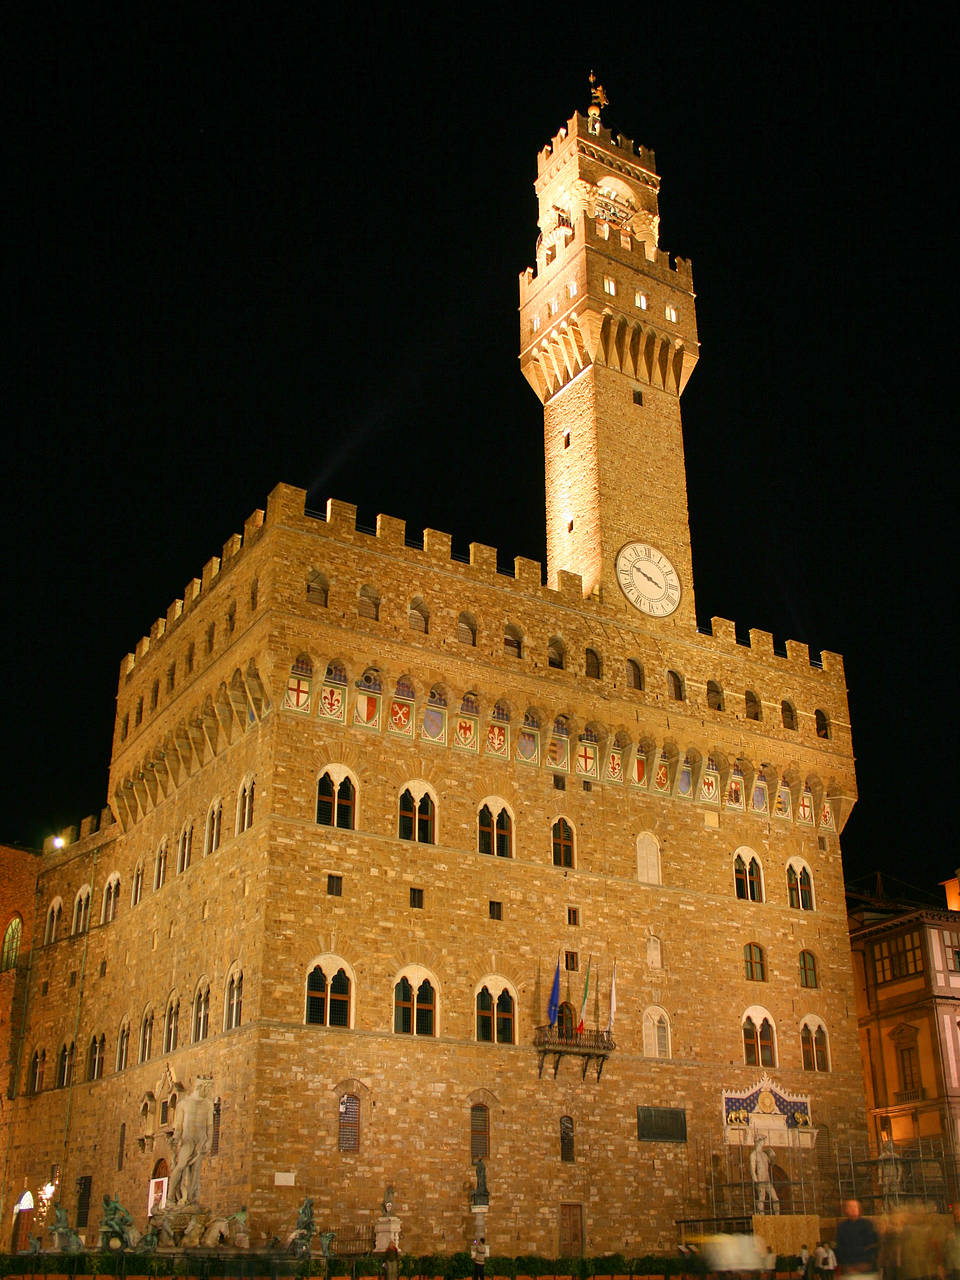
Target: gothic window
x=788, y=714
x=37, y=1066
x=566, y=1139
x=184, y=848
x=714, y=696
x=414, y=1011
x=336, y=802
x=752, y=704
x=417, y=818
x=654, y=952
x=146, y=1037
x=81, y=911
x=418, y=618
x=123, y=1046
x=813, y=1045
x=111, y=899
x=754, y=963
x=211, y=832
x=656, y=1033
x=233, y=1005
x=171, y=1025
x=555, y=654
x=808, y=969
x=748, y=877
x=591, y=665
x=675, y=686
x=348, y=1130
x=201, y=1012
x=53, y=921
x=467, y=630
x=245, y=806
x=328, y=1003
x=160, y=868
x=634, y=674
x=648, y=858
x=318, y=589
x=799, y=886
x=822, y=721
x=137, y=891
x=495, y=1018
x=758, y=1039
x=11, y=944
x=495, y=834
x=65, y=1065
x=368, y=604
x=562, y=843
x=479, y=1132
x=512, y=641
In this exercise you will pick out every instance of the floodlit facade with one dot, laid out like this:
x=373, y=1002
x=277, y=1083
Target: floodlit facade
x=367, y=802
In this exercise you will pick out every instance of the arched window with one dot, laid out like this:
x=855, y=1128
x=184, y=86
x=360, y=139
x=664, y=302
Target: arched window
x=417, y=816
x=467, y=630
x=211, y=833
x=656, y=1033
x=754, y=962
x=799, y=886
x=758, y=1040
x=418, y=618
x=634, y=674
x=591, y=664
x=245, y=806
x=81, y=911
x=566, y=1139
x=160, y=868
x=813, y=1045
x=512, y=641
x=479, y=1132
x=822, y=722
x=654, y=952
x=328, y=1004
x=808, y=969
x=714, y=696
x=201, y=1012
x=675, y=686
x=648, y=858
x=555, y=653
x=123, y=1046
x=10, y=952
x=495, y=834
x=414, y=1013
x=111, y=899
x=318, y=589
x=368, y=604
x=136, y=892
x=495, y=1018
x=171, y=1024
x=348, y=1130
x=38, y=1065
x=336, y=802
x=146, y=1036
x=65, y=1065
x=184, y=848
x=562, y=843
x=752, y=703
x=567, y=1021
x=233, y=1005
x=52, y=927
x=788, y=714
x=748, y=877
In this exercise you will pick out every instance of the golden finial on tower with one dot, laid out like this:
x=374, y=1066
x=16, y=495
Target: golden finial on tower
x=598, y=99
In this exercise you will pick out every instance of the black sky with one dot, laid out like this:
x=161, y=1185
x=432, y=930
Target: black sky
x=246, y=247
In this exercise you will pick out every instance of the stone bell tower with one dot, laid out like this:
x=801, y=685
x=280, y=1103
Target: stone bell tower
x=608, y=341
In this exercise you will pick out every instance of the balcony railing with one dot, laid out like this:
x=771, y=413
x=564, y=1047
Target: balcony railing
x=911, y=1095
x=591, y=1046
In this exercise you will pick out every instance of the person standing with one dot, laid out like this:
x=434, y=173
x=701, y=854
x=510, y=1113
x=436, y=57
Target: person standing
x=479, y=1253
x=856, y=1242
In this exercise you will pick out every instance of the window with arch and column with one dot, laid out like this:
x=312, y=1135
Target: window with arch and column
x=233, y=1001
x=656, y=1033
x=799, y=885
x=415, y=1005
x=417, y=814
x=95, y=1056
x=329, y=994
x=336, y=799
x=160, y=867
x=111, y=899
x=52, y=926
x=145, y=1047
x=81, y=911
x=65, y=1065
x=136, y=892
x=495, y=833
x=813, y=1045
x=748, y=876
x=171, y=1024
x=759, y=1039
x=123, y=1045
x=245, y=806
x=496, y=1018
x=38, y=1065
x=201, y=1012
x=184, y=848
x=212, y=829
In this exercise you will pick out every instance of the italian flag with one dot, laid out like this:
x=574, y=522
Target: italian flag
x=583, y=1002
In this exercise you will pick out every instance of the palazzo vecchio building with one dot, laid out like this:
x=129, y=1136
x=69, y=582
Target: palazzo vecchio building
x=368, y=802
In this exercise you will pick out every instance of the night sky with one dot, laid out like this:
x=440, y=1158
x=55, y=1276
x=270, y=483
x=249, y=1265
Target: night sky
x=244, y=249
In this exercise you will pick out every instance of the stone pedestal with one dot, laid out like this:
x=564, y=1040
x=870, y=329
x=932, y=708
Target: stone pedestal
x=387, y=1231
x=480, y=1204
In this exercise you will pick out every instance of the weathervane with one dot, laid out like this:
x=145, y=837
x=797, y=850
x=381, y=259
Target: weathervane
x=598, y=99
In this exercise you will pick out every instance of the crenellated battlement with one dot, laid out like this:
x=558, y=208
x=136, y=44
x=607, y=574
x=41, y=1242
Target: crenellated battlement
x=616, y=145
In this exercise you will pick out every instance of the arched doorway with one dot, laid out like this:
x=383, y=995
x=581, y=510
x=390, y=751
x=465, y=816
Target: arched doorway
x=159, y=1182
x=22, y=1221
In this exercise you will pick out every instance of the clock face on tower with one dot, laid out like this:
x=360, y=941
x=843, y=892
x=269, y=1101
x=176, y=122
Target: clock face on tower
x=648, y=579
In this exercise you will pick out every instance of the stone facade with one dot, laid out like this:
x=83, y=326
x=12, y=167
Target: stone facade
x=313, y=650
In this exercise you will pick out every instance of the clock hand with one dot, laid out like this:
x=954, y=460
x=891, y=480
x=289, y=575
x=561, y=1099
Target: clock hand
x=648, y=578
